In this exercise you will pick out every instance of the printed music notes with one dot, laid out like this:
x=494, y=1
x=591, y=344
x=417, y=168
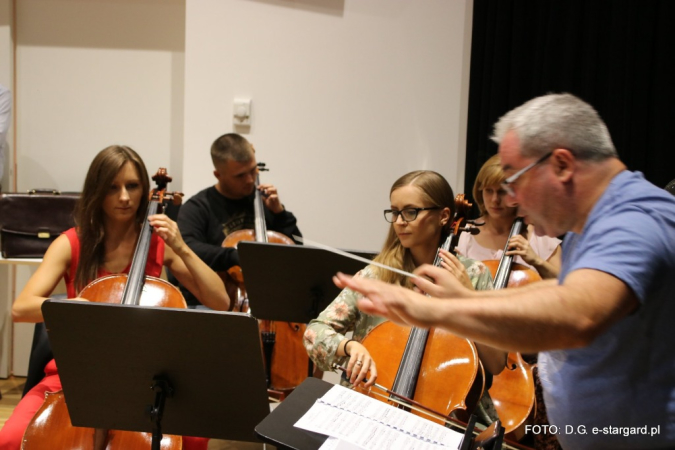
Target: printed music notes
x=355, y=421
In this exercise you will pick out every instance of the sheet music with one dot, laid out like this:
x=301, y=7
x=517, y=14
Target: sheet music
x=370, y=424
x=338, y=444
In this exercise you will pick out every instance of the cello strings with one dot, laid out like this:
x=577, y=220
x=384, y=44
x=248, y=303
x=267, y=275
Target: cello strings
x=309, y=243
x=398, y=399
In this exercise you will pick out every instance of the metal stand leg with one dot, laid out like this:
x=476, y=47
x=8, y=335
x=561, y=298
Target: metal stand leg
x=162, y=389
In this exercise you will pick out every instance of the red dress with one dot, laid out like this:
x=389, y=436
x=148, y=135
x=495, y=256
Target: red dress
x=11, y=434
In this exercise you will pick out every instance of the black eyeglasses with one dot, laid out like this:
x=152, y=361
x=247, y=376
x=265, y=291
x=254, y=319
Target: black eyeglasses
x=506, y=184
x=408, y=214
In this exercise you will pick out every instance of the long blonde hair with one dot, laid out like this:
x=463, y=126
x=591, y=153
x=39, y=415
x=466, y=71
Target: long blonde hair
x=437, y=191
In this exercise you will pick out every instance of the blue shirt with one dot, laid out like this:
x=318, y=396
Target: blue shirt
x=619, y=392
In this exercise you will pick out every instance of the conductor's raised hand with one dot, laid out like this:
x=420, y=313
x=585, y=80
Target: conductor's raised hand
x=393, y=302
x=168, y=231
x=270, y=197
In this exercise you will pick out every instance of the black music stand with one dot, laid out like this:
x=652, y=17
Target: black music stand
x=278, y=427
x=200, y=372
x=292, y=283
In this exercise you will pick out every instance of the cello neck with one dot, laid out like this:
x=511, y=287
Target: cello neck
x=411, y=362
x=136, y=279
x=446, y=245
x=505, y=263
x=408, y=372
x=260, y=227
x=134, y=286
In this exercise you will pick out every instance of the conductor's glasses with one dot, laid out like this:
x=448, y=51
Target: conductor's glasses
x=507, y=184
x=408, y=214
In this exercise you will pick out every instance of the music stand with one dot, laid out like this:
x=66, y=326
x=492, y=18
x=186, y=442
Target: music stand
x=116, y=361
x=278, y=427
x=291, y=283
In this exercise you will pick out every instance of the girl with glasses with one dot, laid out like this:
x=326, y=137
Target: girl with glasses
x=421, y=212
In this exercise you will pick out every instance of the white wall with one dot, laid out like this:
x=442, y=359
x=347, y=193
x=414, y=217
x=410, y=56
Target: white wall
x=89, y=73
x=95, y=73
x=6, y=78
x=347, y=95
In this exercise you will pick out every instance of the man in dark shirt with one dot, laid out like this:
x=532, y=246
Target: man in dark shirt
x=215, y=212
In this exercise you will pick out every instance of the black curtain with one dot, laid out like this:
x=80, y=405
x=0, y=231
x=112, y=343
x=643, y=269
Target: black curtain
x=615, y=54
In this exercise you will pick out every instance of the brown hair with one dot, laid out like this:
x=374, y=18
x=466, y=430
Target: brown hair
x=231, y=146
x=491, y=174
x=89, y=216
x=437, y=191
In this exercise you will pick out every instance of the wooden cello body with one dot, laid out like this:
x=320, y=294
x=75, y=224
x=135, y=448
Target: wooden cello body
x=443, y=373
x=512, y=391
x=286, y=361
x=433, y=367
x=51, y=426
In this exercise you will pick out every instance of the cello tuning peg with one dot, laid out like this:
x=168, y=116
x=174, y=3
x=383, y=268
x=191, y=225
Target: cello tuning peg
x=470, y=230
x=177, y=198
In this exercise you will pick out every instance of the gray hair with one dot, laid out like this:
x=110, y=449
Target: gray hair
x=557, y=121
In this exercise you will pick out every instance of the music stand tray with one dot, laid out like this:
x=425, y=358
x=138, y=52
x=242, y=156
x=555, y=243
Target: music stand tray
x=278, y=427
x=109, y=355
x=291, y=283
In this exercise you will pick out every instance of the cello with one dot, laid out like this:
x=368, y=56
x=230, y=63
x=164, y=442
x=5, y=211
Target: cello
x=51, y=427
x=286, y=361
x=512, y=390
x=420, y=364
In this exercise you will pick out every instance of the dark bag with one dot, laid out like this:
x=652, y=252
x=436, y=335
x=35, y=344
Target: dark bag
x=30, y=222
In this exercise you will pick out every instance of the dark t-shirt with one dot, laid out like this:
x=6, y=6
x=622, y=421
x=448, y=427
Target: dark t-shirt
x=208, y=217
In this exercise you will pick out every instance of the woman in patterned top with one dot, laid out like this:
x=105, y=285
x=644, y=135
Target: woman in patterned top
x=422, y=207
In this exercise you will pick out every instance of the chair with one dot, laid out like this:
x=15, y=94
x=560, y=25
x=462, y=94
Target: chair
x=490, y=438
x=40, y=354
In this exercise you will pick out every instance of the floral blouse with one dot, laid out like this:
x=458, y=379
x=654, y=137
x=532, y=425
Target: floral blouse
x=324, y=334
